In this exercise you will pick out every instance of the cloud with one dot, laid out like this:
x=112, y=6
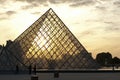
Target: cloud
x=10, y=12
x=33, y=1
x=112, y=38
x=108, y=22
x=117, y=3
x=36, y=13
x=101, y=8
x=44, y=1
x=72, y=3
x=111, y=27
x=82, y=3
x=87, y=33
x=2, y=1
x=6, y=15
x=3, y=18
x=62, y=1
x=29, y=6
x=37, y=3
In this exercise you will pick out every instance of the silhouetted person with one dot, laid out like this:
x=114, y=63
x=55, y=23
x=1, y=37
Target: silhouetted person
x=17, y=69
x=117, y=66
x=34, y=69
x=30, y=69
x=113, y=67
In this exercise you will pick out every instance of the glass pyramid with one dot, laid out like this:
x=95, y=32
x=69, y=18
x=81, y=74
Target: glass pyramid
x=48, y=44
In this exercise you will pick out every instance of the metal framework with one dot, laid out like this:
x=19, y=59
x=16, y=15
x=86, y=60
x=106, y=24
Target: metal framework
x=47, y=44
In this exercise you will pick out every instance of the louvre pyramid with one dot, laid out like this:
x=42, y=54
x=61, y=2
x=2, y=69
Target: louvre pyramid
x=49, y=44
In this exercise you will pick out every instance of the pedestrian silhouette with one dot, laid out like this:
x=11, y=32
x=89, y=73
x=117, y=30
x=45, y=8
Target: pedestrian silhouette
x=30, y=69
x=35, y=69
x=17, y=69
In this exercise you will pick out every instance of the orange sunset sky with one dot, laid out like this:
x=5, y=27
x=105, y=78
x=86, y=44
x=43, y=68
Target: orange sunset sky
x=95, y=23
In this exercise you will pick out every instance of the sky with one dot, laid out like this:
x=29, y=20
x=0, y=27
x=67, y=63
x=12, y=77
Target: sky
x=95, y=23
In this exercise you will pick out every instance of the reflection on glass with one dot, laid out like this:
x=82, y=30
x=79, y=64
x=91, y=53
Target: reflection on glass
x=49, y=44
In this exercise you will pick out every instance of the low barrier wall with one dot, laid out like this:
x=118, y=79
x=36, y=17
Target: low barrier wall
x=75, y=75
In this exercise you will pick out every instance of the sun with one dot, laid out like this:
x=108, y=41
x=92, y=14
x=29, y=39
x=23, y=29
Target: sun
x=41, y=42
x=39, y=45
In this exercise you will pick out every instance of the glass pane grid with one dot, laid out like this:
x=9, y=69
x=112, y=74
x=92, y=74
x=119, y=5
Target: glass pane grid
x=49, y=44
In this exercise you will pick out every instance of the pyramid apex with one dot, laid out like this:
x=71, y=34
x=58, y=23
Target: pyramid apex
x=50, y=9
